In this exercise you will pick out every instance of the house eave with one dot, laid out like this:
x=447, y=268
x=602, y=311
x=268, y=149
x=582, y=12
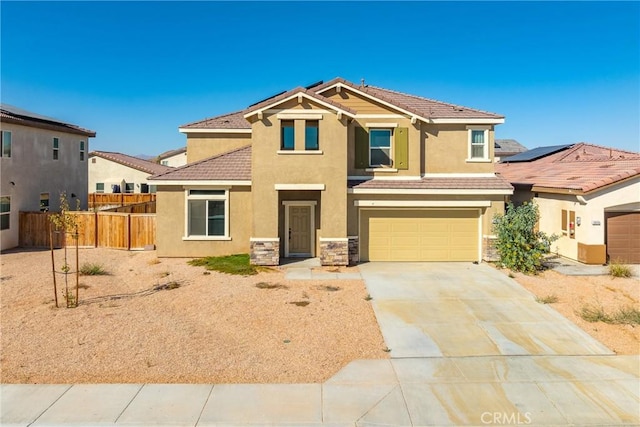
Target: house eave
x=293, y=96
x=200, y=183
x=213, y=130
x=433, y=191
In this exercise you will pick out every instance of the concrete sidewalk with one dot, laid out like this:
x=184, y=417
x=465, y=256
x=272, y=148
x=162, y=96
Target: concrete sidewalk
x=473, y=391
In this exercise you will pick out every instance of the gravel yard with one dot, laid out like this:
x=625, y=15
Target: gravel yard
x=214, y=328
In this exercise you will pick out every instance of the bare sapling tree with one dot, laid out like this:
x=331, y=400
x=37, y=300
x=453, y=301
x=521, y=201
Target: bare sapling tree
x=66, y=224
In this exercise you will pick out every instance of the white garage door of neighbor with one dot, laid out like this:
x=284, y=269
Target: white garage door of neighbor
x=419, y=235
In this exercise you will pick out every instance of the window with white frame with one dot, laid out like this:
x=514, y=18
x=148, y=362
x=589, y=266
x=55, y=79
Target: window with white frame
x=5, y=212
x=478, y=143
x=56, y=148
x=208, y=213
x=380, y=147
x=5, y=137
x=99, y=187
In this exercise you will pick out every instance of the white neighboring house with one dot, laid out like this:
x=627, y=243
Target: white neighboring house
x=173, y=158
x=41, y=157
x=120, y=173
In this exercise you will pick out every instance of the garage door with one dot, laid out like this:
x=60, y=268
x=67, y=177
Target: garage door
x=623, y=237
x=419, y=235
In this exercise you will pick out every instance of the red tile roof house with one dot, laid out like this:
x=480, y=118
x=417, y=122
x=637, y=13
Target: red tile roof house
x=587, y=194
x=339, y=171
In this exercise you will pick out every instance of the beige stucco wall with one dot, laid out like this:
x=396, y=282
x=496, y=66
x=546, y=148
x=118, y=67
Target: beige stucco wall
x=171, y=203
x=328, y=168
x=203, y=145
x=176, y=160
x=591, y=231
x=447, y=150
x=109, y=173
x=32, y=168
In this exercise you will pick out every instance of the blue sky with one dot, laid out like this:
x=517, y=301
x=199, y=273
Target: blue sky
x=135, y=71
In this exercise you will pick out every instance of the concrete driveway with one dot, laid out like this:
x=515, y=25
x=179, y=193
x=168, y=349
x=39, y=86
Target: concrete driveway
x=463, y=309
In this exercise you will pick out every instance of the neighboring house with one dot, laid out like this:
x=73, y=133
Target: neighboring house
x=506, y=148
x=587, y=194
x=173, y=158
x=337, y=170
x=41, y=158
x=120, y=173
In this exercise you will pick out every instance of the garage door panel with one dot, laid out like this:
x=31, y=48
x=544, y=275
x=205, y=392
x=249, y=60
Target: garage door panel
x=420, y=235
x=623, y=237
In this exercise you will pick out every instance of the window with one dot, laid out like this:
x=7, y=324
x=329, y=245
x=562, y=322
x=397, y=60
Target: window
x=5, y=212
x=6, y=143
x=311, y=135
x=165, y=162
x=56, y=144
x=44, y=202
x=208, y=213
x=144, y=188
x=380, y=147
x=152, y=189
x=128, y=187
x=99, y=187
x=287, y=138
x=478, y=147
x=82, y=151
x=568, y=223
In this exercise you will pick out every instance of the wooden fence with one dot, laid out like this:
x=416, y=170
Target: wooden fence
x=100, y=201
x=131, y=231
x=146, y=207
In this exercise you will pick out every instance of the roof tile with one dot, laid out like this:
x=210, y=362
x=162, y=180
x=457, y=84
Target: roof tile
x=132, y=162
x=233, y=165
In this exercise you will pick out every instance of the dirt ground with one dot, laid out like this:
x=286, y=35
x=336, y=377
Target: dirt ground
x=132, y=327
x=575, y=292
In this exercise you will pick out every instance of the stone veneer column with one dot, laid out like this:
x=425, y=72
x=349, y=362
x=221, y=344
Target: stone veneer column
x=489, y=252
x=354, y=247
x=264, y=251
x=334, y=251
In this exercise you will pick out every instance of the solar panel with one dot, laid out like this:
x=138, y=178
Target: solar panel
x=536, y=153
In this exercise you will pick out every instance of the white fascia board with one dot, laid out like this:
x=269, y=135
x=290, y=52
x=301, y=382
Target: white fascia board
x=295, y=95
x=299, y=186
x=299, y=116
x=212, y=130
x=381, y=125
x=200, y=183
x=422, y=203
x=476, y=121
x=459, y=175
x=437, y=191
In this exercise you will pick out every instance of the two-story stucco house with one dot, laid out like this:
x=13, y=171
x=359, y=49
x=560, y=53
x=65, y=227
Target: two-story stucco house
x=111, y=172
x=340, y=171
x=173, y=158
x=41, y=158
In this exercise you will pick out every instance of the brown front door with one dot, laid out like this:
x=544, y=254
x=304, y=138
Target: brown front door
x=300, y=230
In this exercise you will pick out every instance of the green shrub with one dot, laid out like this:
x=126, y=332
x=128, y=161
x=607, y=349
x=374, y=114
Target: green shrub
x=619, y=270
x=519, y=246
x=89, y=269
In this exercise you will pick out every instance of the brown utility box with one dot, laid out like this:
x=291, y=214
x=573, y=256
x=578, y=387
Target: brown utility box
x=592, y=254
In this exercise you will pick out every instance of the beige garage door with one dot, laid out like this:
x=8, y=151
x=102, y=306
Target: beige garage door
x=419, y=235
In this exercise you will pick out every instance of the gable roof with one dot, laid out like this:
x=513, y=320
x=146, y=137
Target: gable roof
x=307, y=93
x=578, y=168
x=234, y=165
x=132, y=162
x=172, y=153
x=11, y=114
x=503, y=147
x=233, y=120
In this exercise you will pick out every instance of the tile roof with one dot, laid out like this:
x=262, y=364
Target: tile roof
x=171, y=153
x=233, y=165
x=582, y=167
x=310, y=92
x=424, y=107
x=11, y=114
x=435, y=183
x=233, y=120
x=503, y=147
x=132, y=162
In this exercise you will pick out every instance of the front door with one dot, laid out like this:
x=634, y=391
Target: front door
x=300, y=230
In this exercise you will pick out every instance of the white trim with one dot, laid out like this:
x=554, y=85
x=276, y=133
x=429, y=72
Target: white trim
x=478, y=160
x=353, y=237
x=213, y=130
x=299, y=186
x=485, y=153
x=381, y=170
x=197, y=238
x=299, y=116
x=299, y=95
x=466, y=192
x=381, y=125
x=264, y=239
x=333, y=239
x=312, y=226
x=459, y=175
x=398, y=178
x=423, y=203
x=296, y=111
x=476, y=121
x=199, y=183
x=206, y=197
x=479, y=236
x=380, y=116
x=299, y=151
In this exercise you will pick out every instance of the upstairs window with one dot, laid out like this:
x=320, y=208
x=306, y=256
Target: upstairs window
x=311, y=141
x=380, y=147
x=5, y=212
x=56, y=147
x=82, y=151
x=478, y=143
x=287, y=135
x=5, y=137
x=99, y=187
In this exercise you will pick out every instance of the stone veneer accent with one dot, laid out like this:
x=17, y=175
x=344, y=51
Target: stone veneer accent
x=489, y=252
x=265, y=252
x=334, y=252
x=354, y=255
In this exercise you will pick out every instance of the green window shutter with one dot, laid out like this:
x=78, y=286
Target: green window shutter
x=362, y=148
x=402, y=148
